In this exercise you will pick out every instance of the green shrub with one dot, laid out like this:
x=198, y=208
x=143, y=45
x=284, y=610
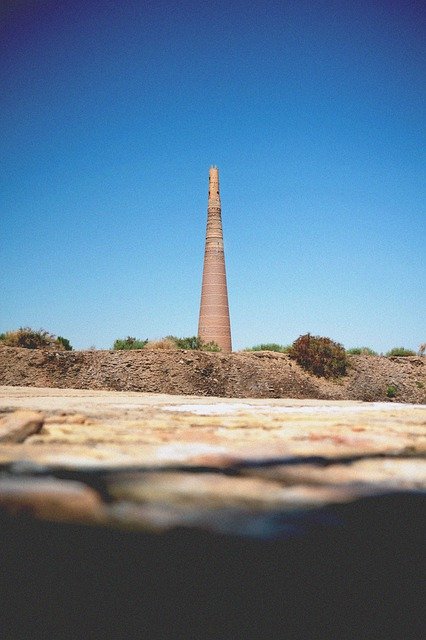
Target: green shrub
x=65, y=343
x=391, y=391
x=28, y=338
x=400, y=351
x=194, y=343
x=191, y=342
x=270, y=346
x=320, y=356
x=361, y=351
x=129, y=343
x=210, y=346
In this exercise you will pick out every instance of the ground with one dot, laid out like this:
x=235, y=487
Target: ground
x=237, y=375
x=282, y=453
x=154, y=515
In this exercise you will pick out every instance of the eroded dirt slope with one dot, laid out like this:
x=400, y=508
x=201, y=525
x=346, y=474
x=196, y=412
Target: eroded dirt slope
x=255, y=375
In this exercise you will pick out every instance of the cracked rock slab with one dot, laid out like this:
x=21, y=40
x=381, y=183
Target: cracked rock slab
x=68, y=428
x=146, y=459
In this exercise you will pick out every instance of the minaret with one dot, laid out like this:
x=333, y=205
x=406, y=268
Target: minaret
x=214, y=324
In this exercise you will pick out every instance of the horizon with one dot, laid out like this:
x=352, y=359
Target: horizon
x=149, y=342
x=112, y=115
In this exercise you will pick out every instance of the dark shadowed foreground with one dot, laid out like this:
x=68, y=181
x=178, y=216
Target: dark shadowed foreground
x=351, y=571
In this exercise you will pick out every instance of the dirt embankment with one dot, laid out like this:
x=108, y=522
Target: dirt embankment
x=255, y=374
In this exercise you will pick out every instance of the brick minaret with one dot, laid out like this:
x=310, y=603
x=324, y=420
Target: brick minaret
x=214, y=324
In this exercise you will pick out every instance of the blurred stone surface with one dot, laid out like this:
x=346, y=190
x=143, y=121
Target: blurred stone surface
x=129, y=515
x=387, y=473
x=185, y=460
x=214, y=490
x=17, y=426
x=51, y=499
x=115, y=429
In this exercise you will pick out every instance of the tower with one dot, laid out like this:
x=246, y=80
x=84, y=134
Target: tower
x=214, y=324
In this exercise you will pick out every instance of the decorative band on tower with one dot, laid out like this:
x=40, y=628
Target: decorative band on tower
x=214, y=324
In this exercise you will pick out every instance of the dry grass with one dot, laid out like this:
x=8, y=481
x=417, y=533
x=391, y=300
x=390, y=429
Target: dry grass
x=165, y=344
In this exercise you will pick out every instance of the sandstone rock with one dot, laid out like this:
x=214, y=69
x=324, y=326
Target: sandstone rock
x=50, y=498
x=66, y=418
x=17, y=426
x=212, y=491
x=165, y=461
x=102, y=429
x=378, y=473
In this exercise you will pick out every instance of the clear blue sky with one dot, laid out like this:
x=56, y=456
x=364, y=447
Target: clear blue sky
x=314, y=111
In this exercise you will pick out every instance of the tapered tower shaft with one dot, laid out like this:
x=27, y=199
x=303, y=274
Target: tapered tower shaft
x=214, y=324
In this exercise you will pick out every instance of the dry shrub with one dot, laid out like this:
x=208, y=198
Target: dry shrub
x=165, y=344
x=320, y=356
x=193, y=343
x=28, y=338
x=361, y=351
x=401, y=352
x=270, y=346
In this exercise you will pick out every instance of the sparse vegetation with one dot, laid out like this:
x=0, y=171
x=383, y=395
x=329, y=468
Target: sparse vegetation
x=270, y=346
x=168, y=343
x=320, y=356
x=65, y=343
x=166, y=369
x=194, y=343
x=28, y=338
x=361, y=351
x=210, y=346
x=165, y=344
x=391, y=391
x=129, y=343
x=400, y=351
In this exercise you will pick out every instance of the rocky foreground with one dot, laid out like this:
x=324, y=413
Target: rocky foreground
x=130, y=515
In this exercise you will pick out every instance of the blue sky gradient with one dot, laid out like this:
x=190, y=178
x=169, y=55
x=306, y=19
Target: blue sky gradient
x=112, y=113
